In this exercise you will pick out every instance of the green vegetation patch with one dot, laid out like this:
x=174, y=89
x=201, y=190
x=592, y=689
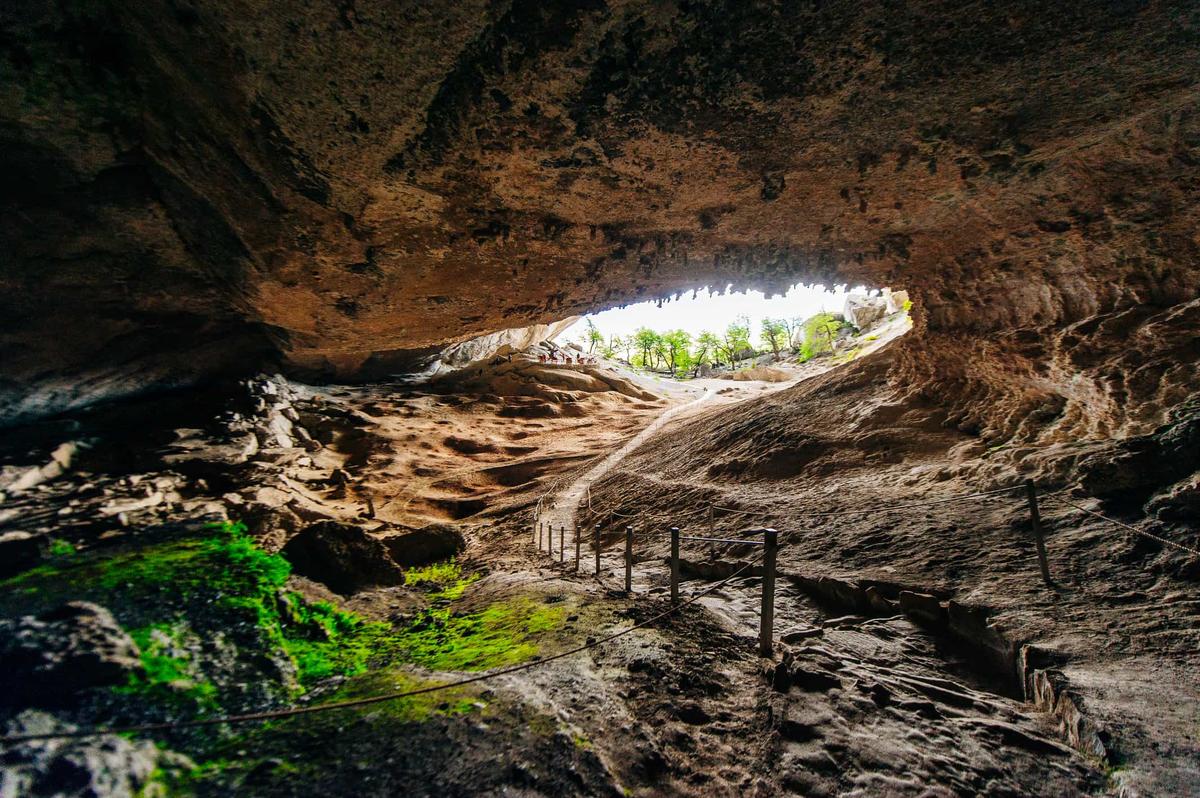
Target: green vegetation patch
x=209, y=613
x=60, y=548
x=503, y=633
x=223, y=560
x=444, y=579
x=818, y=333
x=171, y=675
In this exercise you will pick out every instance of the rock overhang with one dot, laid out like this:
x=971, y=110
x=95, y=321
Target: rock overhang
x=347, y=188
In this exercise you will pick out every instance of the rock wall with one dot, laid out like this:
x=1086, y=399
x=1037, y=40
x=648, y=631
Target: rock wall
x=196, y=187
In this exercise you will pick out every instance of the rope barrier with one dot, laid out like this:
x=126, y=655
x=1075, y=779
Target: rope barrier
x=829, y=513
x=1058, y=497
x=722, y=540
x=359, y=702
x=909, y=505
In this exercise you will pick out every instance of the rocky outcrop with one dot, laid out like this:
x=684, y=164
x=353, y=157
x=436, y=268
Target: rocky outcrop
x=20, y=550
x=192, y=191
x=343, y=557
x=503, y=342
x=46, y=659
x=106, y=766
x=862, y=311
x=422, y=546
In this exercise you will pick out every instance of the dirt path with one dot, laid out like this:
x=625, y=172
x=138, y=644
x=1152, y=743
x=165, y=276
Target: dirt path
x=559, y=508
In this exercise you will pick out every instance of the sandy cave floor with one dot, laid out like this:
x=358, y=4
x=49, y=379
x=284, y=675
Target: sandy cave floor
x=855, y=703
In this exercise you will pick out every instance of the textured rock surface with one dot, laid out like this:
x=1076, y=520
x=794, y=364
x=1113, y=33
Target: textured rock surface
x=48, y=658
x=195, y=187
x=428, y=544
x=103, y=767
x=20, y=550
x=343, y=557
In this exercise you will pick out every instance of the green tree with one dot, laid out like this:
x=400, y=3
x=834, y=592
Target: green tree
x=611, y=349
x=707, y=346
x=646, y=340
x=736, y=340
x=820, y=331
x=774, y=334
x=592, y=336
x=794, y=327
x=676, y=346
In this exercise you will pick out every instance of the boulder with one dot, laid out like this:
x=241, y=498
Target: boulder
x=20, y=551
x=425, y=545
x=91, y=767
x=895, y=300
x=862, y=311
x=343, y=557
x=504, y=342
x=46, y=659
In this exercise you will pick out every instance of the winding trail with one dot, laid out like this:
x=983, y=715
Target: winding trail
x=560, y=508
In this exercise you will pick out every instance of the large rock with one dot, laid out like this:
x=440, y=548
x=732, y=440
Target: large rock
x=94, y=767
x=425, y=545
x=44, y=660
x=20, y=551
x=515, y=339
x=343, y=557
x=862, y=311
x=896, y=300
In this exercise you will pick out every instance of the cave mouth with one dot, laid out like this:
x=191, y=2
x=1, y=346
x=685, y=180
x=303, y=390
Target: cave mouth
x=352, y=194
x=717, y=330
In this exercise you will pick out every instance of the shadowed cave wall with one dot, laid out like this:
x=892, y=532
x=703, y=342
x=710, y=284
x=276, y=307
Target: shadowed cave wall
x=201, y=188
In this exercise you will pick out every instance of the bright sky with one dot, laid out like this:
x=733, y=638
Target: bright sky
x=714, y=312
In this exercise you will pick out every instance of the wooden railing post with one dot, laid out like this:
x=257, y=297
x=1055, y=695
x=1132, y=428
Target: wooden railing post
x=674, y=565
x=1035, y=519
x=562, y=543
x=539, y=536
x=629, y=559
x=576, y=549
x=596, y=546
x=766, y=646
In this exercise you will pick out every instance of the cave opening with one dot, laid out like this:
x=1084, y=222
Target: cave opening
x=311, y=411
x=743, y=334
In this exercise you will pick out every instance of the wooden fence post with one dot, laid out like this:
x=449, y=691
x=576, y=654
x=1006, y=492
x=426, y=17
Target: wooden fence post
x=596, y=546
x=629, y=559
x=576, y=549
x=674, y=565
x=539, y=538
x=766, y=646
x=1035, y=518
x=562, y=543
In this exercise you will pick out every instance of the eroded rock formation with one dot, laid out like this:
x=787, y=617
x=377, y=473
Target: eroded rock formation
x=193, y=187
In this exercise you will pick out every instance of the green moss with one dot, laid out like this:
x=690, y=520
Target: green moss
x=223, y=560
x=178, y=591
x=60, y=548
x=503, y=633
x=169, y=678
x=444, y=578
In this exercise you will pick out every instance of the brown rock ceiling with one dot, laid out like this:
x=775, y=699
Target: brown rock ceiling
x=195, y=188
